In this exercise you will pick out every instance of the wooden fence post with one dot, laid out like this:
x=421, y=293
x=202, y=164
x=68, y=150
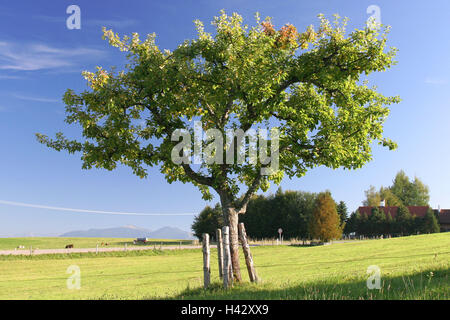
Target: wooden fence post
x=248, y=255
x=227, y=268
x=206, y=259
x=219, y=251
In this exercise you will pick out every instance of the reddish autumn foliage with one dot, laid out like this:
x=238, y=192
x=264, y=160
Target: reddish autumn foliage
x=287, y=36
x=268, y=28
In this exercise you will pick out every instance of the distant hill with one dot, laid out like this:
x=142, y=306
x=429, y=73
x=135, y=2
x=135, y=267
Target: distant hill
x=171, y=233
x=132, y=232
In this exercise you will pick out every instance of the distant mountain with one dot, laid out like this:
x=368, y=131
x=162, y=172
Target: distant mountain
x=171, y=233
x=132, y=232
x=119, y=232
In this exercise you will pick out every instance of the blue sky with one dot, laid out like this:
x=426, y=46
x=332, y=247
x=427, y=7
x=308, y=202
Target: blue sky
x=40, y=58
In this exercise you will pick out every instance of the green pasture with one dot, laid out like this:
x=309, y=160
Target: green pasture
x=415, y=267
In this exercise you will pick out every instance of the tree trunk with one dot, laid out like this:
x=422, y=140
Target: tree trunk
x=231, y=219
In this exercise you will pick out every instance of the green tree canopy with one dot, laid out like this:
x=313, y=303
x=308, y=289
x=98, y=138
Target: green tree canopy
x=402, y=192
x=410, y=193
x=208, y=221
x=342, y=211
x=353, y=222
x=373, y=198
x=430, y=223
x=403, y=220
x=377, y=221
x=311, y=85
x=289, y=210
x=389, y=197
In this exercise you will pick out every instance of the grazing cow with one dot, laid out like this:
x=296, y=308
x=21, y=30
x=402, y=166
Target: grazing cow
x=69, y=246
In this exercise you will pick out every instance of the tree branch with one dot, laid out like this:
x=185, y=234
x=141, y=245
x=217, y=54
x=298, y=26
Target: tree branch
x=208, y=181
x=242, y=207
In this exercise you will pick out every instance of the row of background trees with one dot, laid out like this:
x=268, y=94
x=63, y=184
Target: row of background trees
x=379, y=223
x=403, y=192
x=300, y=214
x=306, y=215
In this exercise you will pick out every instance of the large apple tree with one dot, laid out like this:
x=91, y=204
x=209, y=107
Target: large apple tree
x=312, y=86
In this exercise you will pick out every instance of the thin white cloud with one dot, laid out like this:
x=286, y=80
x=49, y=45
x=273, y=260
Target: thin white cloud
x=114, y=23
x=38, y=206
x=37, y=99
x=111, y=23
x=9, y=77
x=33, y=57
x=436, y=81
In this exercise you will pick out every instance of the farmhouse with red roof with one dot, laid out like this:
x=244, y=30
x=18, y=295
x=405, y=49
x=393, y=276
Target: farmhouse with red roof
x=418, y=211
x=444, y=219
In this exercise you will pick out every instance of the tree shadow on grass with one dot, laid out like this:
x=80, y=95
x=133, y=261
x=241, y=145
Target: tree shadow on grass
x=428, y=284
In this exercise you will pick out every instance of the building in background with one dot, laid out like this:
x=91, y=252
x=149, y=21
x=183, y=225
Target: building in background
x=443, y=215
x=418, y=211
x=444, y=220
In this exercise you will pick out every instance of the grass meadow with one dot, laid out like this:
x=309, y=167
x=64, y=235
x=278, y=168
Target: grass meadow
x=61, y=242
x=415, y=267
